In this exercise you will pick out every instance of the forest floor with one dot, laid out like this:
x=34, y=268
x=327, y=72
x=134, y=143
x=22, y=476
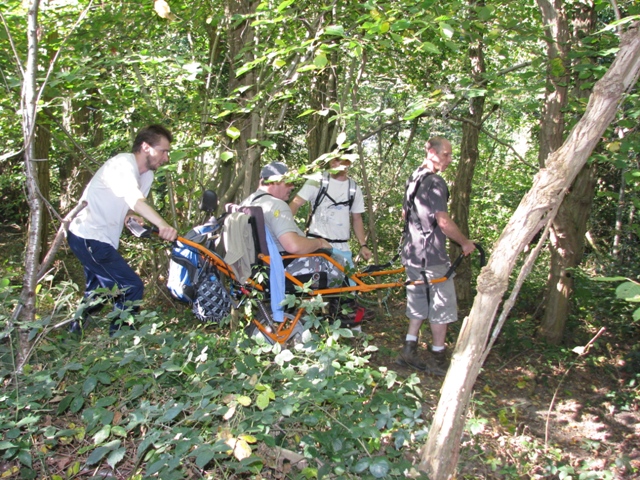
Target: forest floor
x=530, y=402
x=526, y=402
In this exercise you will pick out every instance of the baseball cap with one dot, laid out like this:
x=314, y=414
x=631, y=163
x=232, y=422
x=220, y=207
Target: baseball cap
x=273, y=172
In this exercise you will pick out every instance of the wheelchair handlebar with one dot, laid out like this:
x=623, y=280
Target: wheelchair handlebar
x=461, y=257
x=141, y=231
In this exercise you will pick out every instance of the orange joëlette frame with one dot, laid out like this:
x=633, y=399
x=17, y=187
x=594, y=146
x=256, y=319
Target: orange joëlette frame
x=359, y=286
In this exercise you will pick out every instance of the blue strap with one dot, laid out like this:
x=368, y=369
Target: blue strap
x=276, y=279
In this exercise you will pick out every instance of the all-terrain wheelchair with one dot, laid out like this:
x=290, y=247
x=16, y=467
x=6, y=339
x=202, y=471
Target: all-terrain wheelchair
x=229, y=261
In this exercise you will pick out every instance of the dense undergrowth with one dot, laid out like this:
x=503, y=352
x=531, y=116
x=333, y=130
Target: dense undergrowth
x=170, y=400
x=173, y=399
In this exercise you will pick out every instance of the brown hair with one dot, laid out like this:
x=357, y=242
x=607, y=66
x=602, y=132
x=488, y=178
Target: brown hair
x=151, y=135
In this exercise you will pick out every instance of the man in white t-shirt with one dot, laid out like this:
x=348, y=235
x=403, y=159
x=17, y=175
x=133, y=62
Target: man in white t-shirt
x=336, y=203
x=117, y=190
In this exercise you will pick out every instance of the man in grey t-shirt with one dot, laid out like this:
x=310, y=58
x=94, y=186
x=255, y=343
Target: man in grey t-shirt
x=272, y=196
x=424, y=248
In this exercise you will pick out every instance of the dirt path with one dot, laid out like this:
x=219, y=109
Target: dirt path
x=524, y=401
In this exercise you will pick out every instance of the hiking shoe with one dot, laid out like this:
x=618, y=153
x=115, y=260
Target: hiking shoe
x=437, y=363
x=76, y=327
x=409, y=356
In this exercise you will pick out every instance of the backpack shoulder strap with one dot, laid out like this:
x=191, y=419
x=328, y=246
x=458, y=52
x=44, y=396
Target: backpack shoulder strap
x=352, y=193
x=324, y=186
x=409, y=200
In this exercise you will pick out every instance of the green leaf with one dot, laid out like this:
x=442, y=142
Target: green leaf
x=226, y=156
x=379, y=468
x=284, y=5
x=118, y=431
x=4, y=445
x=105, y=402
x=400, y=25
x=25, y=457
x=321, y=60
x=89, y=385
x=283, y=357
x=628, y=291
x=610, y=279
x=102, y=435
x=97, y=455
x=233, y=133
x=205, y=455
x=557, y=67
x=64, y=404
x=28, y=420
x=446, y=30
x=177, y=155
x=415, y=111
x=429, y=47
x=362, y=464
x=485, y=13
x=337, y=30
x=307, y=112
x=172, y=413
x=263, y=400
x=116, y=456
x=76, y=404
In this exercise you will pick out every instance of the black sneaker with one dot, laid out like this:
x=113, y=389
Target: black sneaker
x=76, y=327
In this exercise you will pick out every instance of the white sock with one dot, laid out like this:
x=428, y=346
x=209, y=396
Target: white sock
x=437, y=349
x=411, y=338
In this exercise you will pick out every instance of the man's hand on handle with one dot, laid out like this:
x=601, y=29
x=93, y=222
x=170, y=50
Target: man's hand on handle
x=167, y=232
x=468, y=247
x=365, y=252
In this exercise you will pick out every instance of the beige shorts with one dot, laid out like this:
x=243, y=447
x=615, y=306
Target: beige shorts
x=442, y=306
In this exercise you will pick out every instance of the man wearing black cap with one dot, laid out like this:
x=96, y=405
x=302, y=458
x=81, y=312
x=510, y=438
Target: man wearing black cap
x=272, y=196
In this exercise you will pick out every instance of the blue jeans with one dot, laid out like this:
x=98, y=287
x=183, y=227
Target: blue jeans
x=104, y=267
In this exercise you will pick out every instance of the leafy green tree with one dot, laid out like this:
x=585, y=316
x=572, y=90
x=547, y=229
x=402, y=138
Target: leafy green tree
x=538, y=206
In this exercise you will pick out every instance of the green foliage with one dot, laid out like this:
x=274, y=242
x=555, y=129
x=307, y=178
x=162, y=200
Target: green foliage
x=173, y=402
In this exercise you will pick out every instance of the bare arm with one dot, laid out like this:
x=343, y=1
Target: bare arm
x=296, y=203
x=296, y=244
x=165, y=231
x=358, y=229
x=452, y=231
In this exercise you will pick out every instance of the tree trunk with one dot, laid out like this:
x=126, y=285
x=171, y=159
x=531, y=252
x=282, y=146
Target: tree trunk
x=557, y=34
x=567, y=248
x=321, y=132
x=439, y=456
x=42, y=146
x=26, y=309
x=461, y=189
x=617, y=229
x=241, y=39
x=570, y=224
